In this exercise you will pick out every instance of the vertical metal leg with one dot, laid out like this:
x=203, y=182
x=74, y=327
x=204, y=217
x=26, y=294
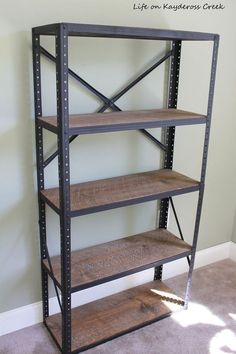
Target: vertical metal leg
x=204, y=162
x=170, y=135
x=40, y=169
x=64, y=181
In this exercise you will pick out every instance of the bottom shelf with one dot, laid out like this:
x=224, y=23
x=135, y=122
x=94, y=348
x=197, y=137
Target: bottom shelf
x=112, y=316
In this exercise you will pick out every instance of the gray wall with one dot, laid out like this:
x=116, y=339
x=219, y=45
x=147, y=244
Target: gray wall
x=108, y=65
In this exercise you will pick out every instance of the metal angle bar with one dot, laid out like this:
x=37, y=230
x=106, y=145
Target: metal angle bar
x=51, y=204
x=156, y=141
x=51, y=275
x=170, y=131
x=88, y=30
x=51, y=270
x=64, y=182
x=55, y=154
x=46, y=29
x=178, y=224
x=40, y=171
x=204, y=161
x=82, y=81
x=170, y=134
x=50, y=158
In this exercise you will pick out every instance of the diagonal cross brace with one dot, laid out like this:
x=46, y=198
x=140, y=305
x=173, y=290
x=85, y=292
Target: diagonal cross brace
x=109, y=103
x=137, y=80
x=82, y=81
x=178, y=225
x=51, y=270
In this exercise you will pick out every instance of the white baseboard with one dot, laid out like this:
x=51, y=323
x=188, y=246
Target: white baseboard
x=203, y=258
x=232, y=254
x=29, y=315
x=19, y=318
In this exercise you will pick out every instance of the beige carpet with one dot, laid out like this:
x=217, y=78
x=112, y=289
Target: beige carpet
x=209, y=325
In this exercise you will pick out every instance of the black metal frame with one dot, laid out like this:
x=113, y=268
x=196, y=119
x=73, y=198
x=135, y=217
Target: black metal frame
x=40, y=170
x=170, y=135
x=64, y=181
x=61, y=33
x=204, y=164
x=87, y=30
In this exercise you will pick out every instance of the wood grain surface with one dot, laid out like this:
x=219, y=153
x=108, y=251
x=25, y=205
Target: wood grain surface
x=120, y=256
x=121, y=120
x=112, y=192
x=114, y=315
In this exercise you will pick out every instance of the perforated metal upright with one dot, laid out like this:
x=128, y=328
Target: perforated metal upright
x=61, y=41
x=169, y=134
x=71, y=333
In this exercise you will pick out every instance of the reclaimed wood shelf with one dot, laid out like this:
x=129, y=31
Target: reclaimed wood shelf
x=117, y=121
x=104, y=194
x=115, y=259
x=112, y=316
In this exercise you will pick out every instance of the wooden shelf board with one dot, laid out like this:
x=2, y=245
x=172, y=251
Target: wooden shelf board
x=112, y=316
x=114, y=121
x=111, y=260
x=89, y=197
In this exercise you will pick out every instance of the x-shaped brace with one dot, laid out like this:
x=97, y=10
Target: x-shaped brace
x=109, y=103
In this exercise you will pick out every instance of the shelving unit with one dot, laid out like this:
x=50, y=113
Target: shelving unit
x=78, y=329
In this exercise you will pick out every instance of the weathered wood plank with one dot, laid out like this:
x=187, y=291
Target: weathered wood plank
x=114, y=121
x=121, y=257
x=89, y=197
x=117, y=314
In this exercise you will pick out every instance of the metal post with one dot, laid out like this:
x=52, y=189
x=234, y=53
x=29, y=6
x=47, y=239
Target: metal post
x=204, y=163
x=40, y=169
x=64, y=181
x=170, y=135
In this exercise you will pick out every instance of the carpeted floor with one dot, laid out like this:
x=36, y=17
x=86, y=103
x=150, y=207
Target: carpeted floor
x=209, y=325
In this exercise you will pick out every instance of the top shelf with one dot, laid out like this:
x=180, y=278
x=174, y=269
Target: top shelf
x=88, y=30
x=117, y=121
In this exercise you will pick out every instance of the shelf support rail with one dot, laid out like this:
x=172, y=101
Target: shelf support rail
x=110, y=103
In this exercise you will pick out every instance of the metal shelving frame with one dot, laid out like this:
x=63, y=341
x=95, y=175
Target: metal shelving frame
x=61, y=31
